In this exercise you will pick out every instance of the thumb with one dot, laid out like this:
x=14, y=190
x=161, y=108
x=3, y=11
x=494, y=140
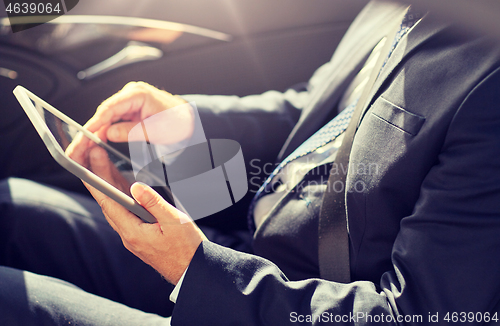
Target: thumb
x=156, y=205
x=125, y=132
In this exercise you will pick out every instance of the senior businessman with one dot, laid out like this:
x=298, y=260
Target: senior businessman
x=416, y=120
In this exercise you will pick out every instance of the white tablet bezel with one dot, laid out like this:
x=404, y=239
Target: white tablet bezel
x=25, y=98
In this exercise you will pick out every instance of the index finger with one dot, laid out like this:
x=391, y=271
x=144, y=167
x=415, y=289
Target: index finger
x=77, y=149
x=125, y=102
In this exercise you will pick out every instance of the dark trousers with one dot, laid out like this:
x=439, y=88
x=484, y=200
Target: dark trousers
x=89, y=278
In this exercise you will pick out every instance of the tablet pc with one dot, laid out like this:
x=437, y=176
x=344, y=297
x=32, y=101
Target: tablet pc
x=57, y=131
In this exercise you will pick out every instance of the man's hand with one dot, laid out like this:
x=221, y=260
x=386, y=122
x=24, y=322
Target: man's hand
x=116, y=116
x=94, y=158
x=168, y=245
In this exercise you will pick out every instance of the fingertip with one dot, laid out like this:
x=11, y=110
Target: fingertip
x=97, y=153
x=138, y=191
x=113, y=133
x=92, y=124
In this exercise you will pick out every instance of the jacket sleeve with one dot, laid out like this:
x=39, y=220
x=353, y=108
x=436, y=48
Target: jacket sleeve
x=445, y=257
x=260, y=123
x=252, y=120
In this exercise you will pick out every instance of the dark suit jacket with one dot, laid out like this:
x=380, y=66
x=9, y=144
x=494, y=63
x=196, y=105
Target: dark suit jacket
x=424, y=224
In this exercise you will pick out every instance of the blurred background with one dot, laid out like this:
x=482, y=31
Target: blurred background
x=230, y=47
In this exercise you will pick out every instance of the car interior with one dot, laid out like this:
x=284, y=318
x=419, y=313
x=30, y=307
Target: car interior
x=244, y=41
x=224, y=47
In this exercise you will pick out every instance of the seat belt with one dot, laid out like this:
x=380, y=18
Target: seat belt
x=333, y=236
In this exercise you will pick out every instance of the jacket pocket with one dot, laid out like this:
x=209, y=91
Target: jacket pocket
x=398, y=117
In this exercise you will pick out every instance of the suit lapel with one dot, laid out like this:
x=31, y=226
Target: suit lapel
x=421, y=33
x=326, y=97
x=347, y=61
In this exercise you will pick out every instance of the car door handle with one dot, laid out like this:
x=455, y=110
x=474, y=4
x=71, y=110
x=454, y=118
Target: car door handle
x=132, y=53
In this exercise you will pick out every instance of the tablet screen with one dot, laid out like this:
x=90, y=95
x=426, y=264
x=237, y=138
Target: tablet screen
x=69, y=136
x=66, y=134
